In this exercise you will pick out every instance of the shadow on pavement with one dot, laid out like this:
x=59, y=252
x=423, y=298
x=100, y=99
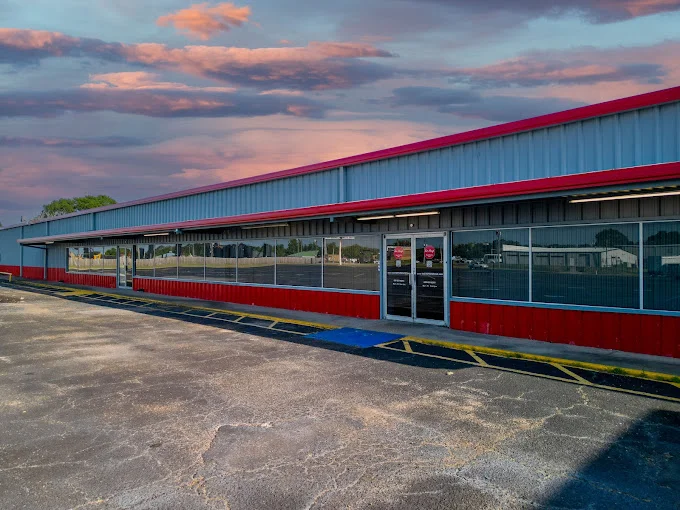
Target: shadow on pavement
x=619, y=477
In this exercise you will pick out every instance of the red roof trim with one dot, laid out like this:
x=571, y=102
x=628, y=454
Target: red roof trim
x=543, y=121
x=625, y=176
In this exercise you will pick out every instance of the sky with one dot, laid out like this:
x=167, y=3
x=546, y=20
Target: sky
x=134, y=99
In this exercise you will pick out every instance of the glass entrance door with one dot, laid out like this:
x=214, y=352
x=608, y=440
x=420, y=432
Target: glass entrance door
x=124, y=266
x=415, y=278
x=398, y=273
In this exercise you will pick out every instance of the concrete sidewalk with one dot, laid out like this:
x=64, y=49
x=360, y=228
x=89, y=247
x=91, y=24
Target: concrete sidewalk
x=612, y=358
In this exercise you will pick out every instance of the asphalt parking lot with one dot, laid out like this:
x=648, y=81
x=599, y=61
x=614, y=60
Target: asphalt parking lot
x=105, y=407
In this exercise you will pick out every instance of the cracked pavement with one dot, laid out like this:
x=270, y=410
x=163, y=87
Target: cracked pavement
x=107, y=408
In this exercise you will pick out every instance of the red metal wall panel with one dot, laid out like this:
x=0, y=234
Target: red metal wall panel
x=14, y=270
x=91, y=280
x=642, y=333
x=34, y=273
x=365, y=306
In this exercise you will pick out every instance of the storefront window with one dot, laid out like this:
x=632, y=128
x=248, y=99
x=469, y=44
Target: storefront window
x=256, y=262
x=298, y=262
x=220, y=262
x=662, y=266
x=352, y=262
x=109, y=260
x=191, y=261
x=594, y=265
x=144, y=260
x=76, y=262
x=491, y=264
x=165, y=260
x=97, y=256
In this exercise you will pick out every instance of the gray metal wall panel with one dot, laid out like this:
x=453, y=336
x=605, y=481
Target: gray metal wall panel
x=639, y=137
x=302, y=191
x=56, y=256
x=68, y=225
x=9, y=247
x=34, y=257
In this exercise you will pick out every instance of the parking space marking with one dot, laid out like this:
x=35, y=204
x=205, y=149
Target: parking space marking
x=569, y=377
x=479, y=360
x=474, y=352
x=570, y=373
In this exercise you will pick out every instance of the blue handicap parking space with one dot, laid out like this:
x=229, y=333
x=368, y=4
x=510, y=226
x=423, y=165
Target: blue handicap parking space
x=355, y=337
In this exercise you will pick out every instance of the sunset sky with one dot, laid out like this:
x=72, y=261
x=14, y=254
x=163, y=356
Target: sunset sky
x=132, y=98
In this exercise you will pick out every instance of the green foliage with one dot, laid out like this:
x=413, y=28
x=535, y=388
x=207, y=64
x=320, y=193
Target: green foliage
x=611, y=238
x=71, y=205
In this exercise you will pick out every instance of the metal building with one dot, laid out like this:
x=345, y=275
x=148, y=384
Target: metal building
x=562, y=228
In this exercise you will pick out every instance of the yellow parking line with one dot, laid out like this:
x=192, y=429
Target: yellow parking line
x=272, y=325
x=544, y=376
x=477, y=358
x=570, y=373
x=407, y=346
x=642, y=374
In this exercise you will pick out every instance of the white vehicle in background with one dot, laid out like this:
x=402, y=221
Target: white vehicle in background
x=493, y=258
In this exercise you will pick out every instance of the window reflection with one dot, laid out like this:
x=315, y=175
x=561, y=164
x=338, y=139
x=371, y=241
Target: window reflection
x=256, y=262
x=593, y=265
x=298, y=262
x=662, y=266
x=191, y=261
x=491, y=264
x=352, y=262
x=109, y=259
x=97, y=259
x=76, y=262
x=144, y=260
x=220, y=262
x=165, y=260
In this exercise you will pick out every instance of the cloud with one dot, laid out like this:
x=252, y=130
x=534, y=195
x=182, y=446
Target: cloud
x=317, y=66
x=595, y=11
x=653, y=65
x=471, y=104
x=167, y=103
x=510, y=108
x=431, y=96
x=19, y=46
x=142, y=80
x=203, y=22
x=70, y=143
x=209, y=151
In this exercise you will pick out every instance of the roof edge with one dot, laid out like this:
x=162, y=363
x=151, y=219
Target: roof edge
x=543, y=121
x=564, y=183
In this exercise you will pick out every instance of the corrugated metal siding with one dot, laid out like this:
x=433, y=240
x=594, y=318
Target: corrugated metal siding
x=9, y=248
x=305, y=190
x=646, y=334
x=639, y=137
x=56, y=256
x=72, y=224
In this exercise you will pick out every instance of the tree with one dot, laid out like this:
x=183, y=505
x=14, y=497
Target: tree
x=611, y=238
x=71, y=205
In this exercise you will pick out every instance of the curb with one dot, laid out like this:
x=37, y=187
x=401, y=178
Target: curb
x=596, y=367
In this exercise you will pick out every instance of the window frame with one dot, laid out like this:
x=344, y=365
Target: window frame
x=640, y=309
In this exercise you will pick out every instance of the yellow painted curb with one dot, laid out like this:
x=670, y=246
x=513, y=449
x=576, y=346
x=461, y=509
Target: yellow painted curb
x=641, y=374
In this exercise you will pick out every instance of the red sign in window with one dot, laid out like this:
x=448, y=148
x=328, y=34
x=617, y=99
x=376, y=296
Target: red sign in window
x=429, y=252
x=398, y=252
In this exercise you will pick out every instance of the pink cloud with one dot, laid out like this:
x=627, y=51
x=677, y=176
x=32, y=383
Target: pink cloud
x=317, y=66
x=142, y=80
x=203, y=22
x=653, y=65
x=153, y=103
